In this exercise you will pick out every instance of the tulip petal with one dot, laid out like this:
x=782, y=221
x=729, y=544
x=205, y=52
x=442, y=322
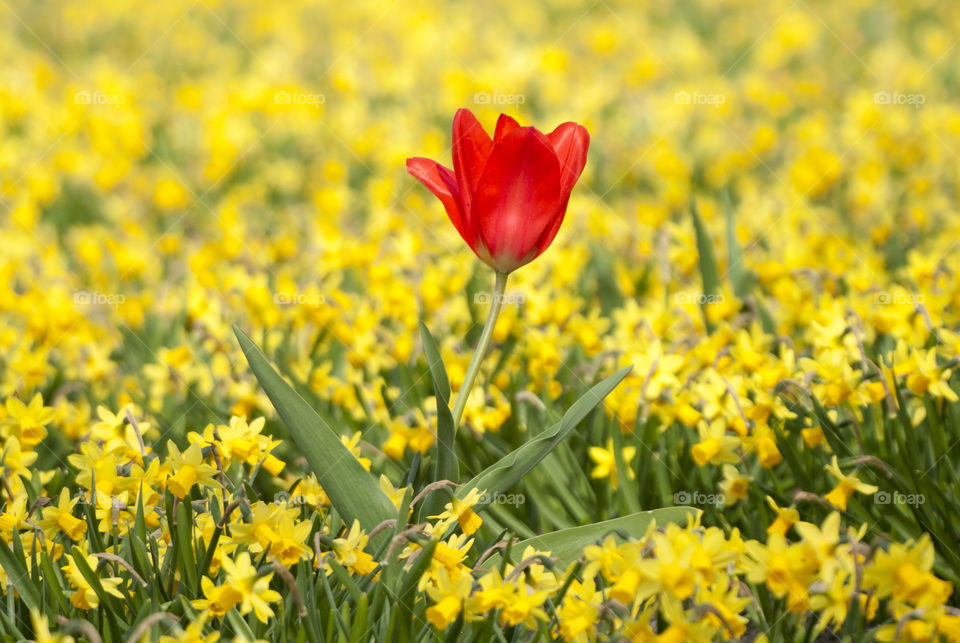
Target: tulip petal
x=571, y=141
x=442, y=182
x=471, y=149
x=505, y=125
x=518, y=198
x=551, y=232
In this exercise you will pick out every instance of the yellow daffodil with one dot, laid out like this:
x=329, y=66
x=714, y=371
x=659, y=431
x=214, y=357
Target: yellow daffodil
x=243, y=587
x=60, y=518
x=28, y=423
x=845, y=488
x=605, y=462
x=715, y=446
x=188, y=469
x=462, y=512
x=85, y=597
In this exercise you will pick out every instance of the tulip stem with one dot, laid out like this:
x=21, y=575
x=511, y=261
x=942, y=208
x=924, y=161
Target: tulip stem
x=496, y=302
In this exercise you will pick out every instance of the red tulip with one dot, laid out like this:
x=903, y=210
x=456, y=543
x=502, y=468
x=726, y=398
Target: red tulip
x=506, y=196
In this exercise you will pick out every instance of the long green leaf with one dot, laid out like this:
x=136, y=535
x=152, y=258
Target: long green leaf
x=708, y=262
x=510, y=469
x=52, y=581
x=709, y=274
x=568, y=544
x=352, y=490
x=447, y=466
x=184, y=538
x=18, y=575
x=240, y=626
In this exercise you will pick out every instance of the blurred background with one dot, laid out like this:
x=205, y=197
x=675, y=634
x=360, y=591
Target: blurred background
x=170, y=169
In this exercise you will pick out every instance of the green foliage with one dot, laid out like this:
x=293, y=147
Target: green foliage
x=352, y=490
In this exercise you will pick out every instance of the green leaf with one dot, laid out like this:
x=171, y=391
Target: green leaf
x=407, y=593
x=743, y=280
x=391, y=564
x=709, y=274
x=441, y=383
x=766, y=319
x=510, y=469
x=568, y=544
x=138, y=539
x=739, y=277
x=184, y=537
x=345, y=579
x=108, y=601
x=708, y=262
x=629, y=486
x=332, y=603
x=52, y=579
x=447, y=467
x=18, y=576
x=208, y=554
x=11, y=628
x=352, y=490
x=240, y=626
x=360, y=629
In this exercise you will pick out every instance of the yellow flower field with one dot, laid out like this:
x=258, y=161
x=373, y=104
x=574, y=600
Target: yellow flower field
x=247, y=389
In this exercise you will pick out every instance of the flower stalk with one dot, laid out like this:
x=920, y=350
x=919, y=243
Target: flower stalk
x=496, y=303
